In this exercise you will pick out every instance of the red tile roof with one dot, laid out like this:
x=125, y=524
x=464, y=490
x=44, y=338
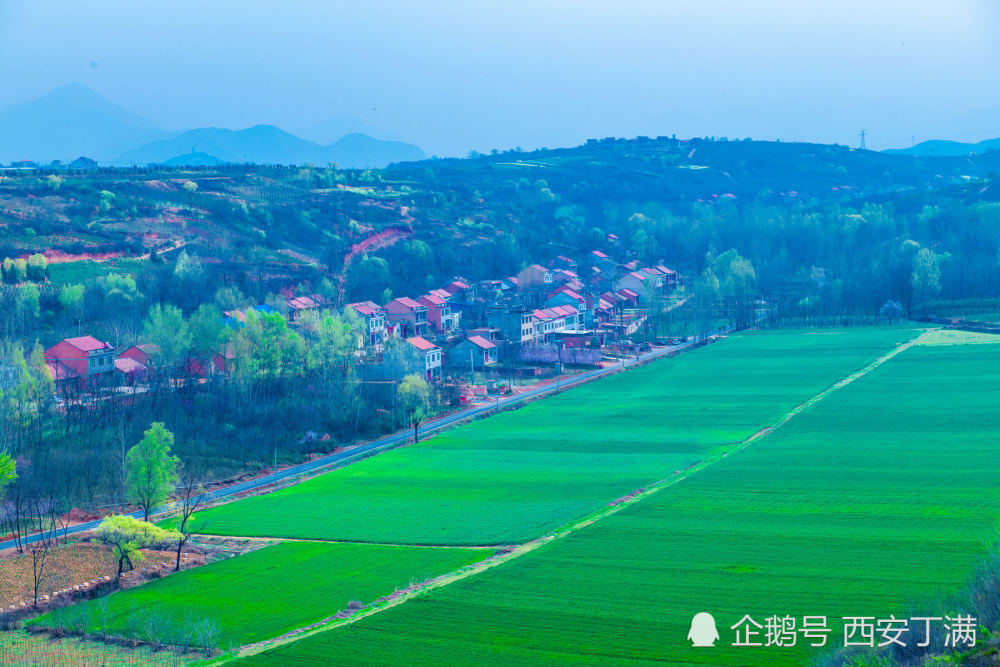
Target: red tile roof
x=87, y=343
x=627, y=293
x=479, y=341
x=665, y=270
x=128, y=365
x=406, y=301
x=456, y=286
x=421, y=343
x=638, y=275
x=571, y=294
x=598, y=253
x=432, y=300
x=365, y=307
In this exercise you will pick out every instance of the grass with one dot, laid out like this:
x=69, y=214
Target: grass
x=516, y=475
x=264, y=593
x=881, y=495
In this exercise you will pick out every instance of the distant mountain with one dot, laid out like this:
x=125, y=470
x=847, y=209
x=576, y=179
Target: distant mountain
x=193, y=160
x=266, y=144
x=70, y=121
x=360, y=150
x=331, y=129
x=938, y=147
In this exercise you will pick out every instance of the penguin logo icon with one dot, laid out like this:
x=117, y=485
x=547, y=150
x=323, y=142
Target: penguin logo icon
x=703, y=632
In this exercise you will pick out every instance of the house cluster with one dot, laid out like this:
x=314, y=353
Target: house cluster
x=468, y=326
x=457, y=328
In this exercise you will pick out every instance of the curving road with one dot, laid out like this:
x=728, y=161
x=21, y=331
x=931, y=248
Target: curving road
x=337, y=460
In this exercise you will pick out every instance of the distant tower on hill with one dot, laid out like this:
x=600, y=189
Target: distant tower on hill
x=862, y=135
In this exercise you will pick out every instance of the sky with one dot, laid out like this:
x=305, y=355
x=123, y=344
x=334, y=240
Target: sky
x=453, y=75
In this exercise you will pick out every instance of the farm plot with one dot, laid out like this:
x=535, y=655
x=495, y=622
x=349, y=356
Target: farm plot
x=516, y=475
x=261, y=594
x=881, y=495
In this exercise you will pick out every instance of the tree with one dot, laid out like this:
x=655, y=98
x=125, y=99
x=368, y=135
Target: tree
x=415, y=398
x=37, y=267
x=8, y=471
x=28, y=304
x=166, y=328
x=926, y=276
x=190, y=187
x=71, y=300
x=127, y=535
x=190, y=493
x=152, y=469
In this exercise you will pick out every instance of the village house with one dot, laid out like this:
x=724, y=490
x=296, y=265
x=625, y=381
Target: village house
x=460, y=290
x=431, y=355
x=566, y=297
x=374, y=318
x=474, y=352
x=669, y=276
x=410, y=315
x=636, y=282
x=518, y=326
x=555, y=320
x=301, y=304
x=535, y=275
x=439, y=314
x=83, y=361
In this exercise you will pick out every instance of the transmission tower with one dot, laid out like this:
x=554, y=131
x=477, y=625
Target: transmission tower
x=862, y=135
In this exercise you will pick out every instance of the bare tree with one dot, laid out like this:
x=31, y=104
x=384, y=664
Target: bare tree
x=191, y=498
x=39, y=560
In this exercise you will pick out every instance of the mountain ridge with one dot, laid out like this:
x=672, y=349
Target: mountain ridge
x=74, y=120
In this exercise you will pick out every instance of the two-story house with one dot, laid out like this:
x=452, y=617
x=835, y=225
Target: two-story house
x=84, y=361
x=439, y=314
x=410, y=315
x=638, y=283
x=431, y=354
x=518, y=326
x=374, y=318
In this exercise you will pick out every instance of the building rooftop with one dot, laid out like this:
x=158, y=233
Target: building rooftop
x=88, y=343
x=421, y=343
x=481, y=342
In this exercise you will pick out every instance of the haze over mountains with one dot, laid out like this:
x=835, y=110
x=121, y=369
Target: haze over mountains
x=938, y=147
x=73, y=120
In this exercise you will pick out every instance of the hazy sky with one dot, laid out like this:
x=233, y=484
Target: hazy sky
x=452, y=76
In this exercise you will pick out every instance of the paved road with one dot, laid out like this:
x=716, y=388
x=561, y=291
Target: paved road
x=388, y=442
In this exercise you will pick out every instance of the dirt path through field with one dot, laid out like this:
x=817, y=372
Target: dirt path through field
x=568, y=529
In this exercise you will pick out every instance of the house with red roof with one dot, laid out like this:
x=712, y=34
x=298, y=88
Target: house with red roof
x=669, y=276
x=637, y=282
x=82, y=362
x=535, y=275
x=460, y=290
x=409, y=315
x=555, y=320
x=472, y=353
x=301, y=304
x=566, y=297
x=374, y=317
x=431, y=355
x=439, y=314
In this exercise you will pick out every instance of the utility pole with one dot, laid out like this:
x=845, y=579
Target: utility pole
x=862, y=134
